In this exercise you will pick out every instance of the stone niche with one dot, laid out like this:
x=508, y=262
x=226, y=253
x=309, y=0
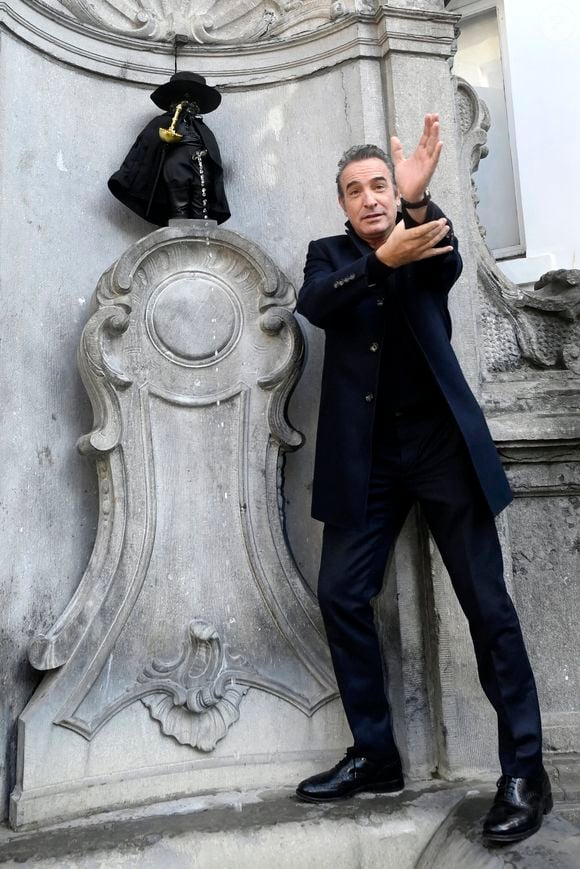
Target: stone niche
x=191, y=655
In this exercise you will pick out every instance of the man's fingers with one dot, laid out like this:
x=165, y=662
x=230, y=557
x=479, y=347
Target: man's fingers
x=435, y=251
x=429, y=228
x=426, y=242
x=430, y=129
x=435, y=237
x=435, y=154
x=397, y=154
x=431, y=120
x=424, y=135
x=433, y=139
x=419, y=242
x=427, y=131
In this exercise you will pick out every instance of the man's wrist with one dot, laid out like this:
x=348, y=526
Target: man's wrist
x=420, y=216
x=417, y=201
x=377, y=268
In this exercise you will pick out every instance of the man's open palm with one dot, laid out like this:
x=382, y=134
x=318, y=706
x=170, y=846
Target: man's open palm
x=413, y=174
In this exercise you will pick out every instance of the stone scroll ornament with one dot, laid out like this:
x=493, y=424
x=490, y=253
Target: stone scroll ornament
x=538, y=328
x=199, y=694
x=212, y=21
x=191, y=597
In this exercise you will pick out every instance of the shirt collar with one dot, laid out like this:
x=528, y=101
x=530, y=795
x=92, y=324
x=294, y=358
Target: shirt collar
x=363, y=246
x=358, y=242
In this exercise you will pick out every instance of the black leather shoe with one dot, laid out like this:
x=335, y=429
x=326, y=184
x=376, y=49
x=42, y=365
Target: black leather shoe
x=518, y=808
x=351, y=776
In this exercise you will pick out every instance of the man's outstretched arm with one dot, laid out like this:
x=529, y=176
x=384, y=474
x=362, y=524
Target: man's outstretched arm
x=328, y=292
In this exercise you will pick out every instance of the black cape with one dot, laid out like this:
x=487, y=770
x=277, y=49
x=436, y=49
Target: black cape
x=139, y=185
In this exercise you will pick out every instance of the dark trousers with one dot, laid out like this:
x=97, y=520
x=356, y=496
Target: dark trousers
x=422, y=458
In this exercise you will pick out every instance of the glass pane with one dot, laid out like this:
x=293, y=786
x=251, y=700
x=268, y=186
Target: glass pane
x=478, y=60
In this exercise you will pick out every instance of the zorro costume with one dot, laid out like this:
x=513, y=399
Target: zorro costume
x=145, y=182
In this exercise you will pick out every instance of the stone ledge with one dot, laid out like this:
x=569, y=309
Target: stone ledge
x=429, y=825
x=258, y=829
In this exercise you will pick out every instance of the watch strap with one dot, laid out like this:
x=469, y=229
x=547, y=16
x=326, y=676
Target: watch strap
x=422, y=202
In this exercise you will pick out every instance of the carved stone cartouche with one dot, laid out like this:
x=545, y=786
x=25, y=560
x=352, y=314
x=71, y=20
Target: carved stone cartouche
x=189, y=359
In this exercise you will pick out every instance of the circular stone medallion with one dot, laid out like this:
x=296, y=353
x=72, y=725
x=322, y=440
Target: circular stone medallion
x=194, y=319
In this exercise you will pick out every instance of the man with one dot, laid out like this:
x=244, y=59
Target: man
x=398, y=424
x=181, y=175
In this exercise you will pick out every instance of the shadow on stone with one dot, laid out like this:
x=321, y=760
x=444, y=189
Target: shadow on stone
x=457, y=843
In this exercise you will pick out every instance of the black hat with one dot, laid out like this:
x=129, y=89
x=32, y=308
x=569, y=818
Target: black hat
x=183, y=83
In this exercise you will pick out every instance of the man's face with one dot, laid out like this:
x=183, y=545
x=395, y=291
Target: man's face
x=369, y=199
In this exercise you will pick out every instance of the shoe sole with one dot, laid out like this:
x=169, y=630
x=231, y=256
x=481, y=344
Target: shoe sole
x=510, y=838
x=392, y=787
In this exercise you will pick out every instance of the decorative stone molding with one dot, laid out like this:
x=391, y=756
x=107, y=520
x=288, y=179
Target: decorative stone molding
x=196, y=698
x=553, y=308
x=557, y=292
x=213, y=22
x=303, y=38
x=539, y=328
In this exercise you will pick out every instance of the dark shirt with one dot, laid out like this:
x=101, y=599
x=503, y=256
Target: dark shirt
x=405, y=379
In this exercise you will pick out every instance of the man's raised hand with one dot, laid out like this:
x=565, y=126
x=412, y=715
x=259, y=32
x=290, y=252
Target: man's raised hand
x=413, y=174
x=410, y=245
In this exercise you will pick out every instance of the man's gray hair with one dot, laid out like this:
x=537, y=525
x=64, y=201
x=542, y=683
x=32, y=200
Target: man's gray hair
x=362, y=152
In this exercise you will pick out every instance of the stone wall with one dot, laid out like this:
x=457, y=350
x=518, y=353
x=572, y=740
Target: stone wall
x=299, y=87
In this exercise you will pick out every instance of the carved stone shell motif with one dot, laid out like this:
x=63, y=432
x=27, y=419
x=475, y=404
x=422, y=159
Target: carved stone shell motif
x=211, y=21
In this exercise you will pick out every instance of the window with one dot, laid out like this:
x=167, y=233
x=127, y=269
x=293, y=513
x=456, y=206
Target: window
x=479, y=61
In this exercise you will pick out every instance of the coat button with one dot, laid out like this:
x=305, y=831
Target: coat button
x=374, y=347
x=369, y=397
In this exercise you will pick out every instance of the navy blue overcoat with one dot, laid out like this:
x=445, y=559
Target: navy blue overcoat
x=347, y=295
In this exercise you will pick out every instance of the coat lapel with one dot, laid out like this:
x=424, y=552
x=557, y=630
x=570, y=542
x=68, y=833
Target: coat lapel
x=362, y=247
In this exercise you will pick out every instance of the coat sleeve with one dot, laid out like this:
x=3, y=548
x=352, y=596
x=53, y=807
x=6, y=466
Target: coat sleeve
x=328, y=292
x=441, y=272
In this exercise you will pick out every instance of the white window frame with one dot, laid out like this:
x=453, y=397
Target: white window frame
x=468, y=9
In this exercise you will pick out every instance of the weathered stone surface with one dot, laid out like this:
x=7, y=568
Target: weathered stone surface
x=248, y=830
x=544, y=534
x=431, y=825
x=457, y=843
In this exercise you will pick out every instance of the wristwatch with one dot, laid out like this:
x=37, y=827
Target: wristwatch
x=426, y=199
